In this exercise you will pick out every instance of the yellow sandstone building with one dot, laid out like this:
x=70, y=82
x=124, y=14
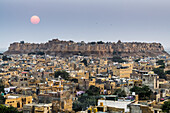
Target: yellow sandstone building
x=123, y=71
x=18, y=101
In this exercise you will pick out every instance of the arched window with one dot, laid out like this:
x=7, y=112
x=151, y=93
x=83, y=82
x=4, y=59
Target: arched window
x=18, y=104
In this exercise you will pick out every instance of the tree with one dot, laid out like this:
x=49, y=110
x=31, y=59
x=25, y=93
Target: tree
x=100, y=42
x=161, y=62
x=74, y=80
x=118, y=59
x=77, y=106
x=137, y=60
x=93, y=91
x=10, y=109
x=92, y=43
x=63, y=74
x=22, y=42
x=167, y=72
x=5, y=58
x=84, y=101
x=160, y=73
x=166, y=106
x=1, y=87
x=71, y=41
x=32, y=53
x=120, y=93
x=2, y=99
x=143, y=92
x=84, y=61
x=114, y=53
x=40, y=53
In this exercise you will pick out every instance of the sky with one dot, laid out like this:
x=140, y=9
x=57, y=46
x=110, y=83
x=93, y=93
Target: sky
x=85, y=20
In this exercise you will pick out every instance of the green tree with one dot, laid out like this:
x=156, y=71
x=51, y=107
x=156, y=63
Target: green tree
x=5, y=58
x=100, y=42
x=137, y=60
x=118, y=59
x=166, y=106
x=162, y=67
x=114, y=53
x=167, y=72
x=2, y=88
x=22, y=42
x=71, y=41
x=40, y=53
x=143, y=92
x=32, y=53
x=120, y=93
x=77, y=106
x=84, y=61
x=2, y=99
x=92, y=43
x=93, y=91
x=161, y=62
x=4, y=109
x=84, y=101
x=63, y=74
x=160, y=72
x=74, y=80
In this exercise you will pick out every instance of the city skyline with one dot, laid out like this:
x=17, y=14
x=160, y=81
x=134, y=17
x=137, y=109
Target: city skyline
x=128, y=21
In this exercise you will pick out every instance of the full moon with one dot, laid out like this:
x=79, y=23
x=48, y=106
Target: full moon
x=35, y=19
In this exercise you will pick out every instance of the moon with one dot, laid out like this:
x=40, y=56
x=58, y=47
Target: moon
x=35, y=19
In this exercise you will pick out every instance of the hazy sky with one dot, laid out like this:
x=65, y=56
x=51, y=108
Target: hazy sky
x=88, y=20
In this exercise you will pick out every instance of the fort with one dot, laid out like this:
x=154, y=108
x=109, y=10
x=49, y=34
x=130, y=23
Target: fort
x=67, y=48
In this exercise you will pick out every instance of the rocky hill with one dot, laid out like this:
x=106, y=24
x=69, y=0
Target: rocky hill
x=64, y=48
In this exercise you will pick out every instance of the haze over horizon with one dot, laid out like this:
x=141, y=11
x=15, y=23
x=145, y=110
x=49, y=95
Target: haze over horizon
x=85, y=20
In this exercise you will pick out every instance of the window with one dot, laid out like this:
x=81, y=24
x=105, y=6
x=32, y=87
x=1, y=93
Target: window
x=24, y=100
x=155, y=111
x=62, y=105
x=18, y=105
